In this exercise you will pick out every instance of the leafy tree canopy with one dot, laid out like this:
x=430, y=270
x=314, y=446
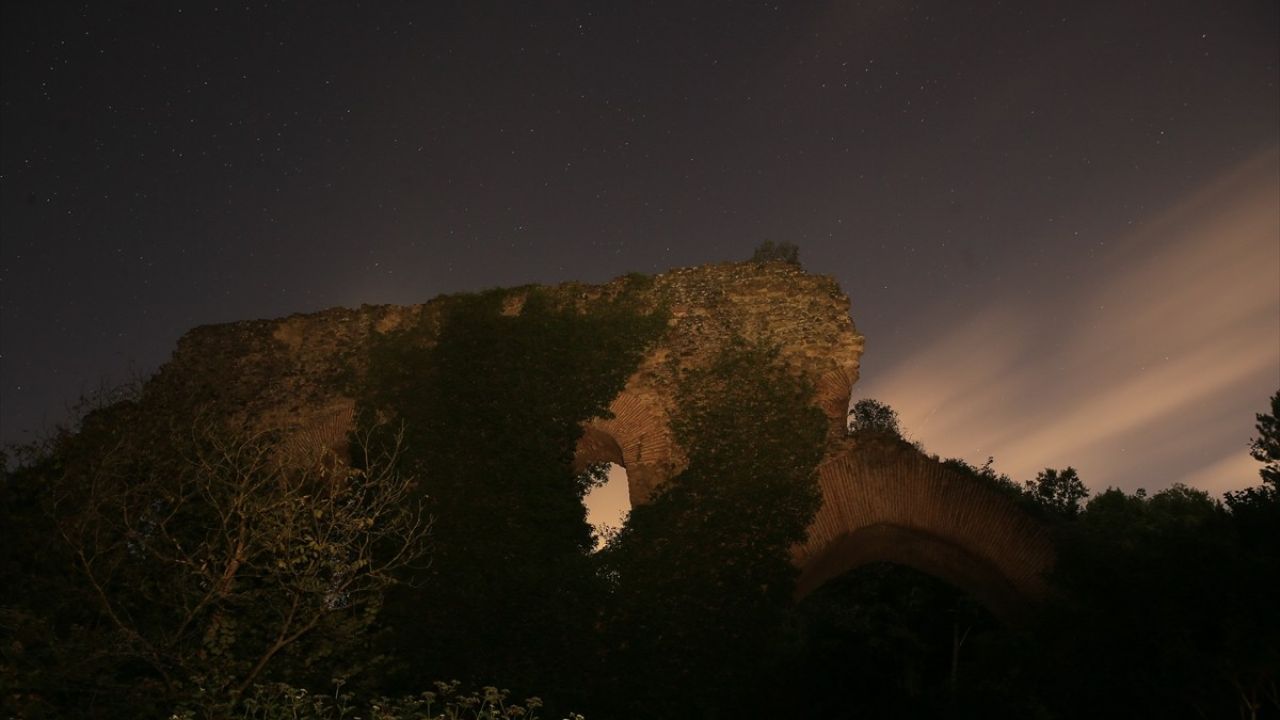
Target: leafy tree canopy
x=1257, y=509
x=702, y=575
x=872, y=416
x=1265, y=448
x=1060, y=492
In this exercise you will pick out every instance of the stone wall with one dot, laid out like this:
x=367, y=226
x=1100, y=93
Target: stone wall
x=297, y=372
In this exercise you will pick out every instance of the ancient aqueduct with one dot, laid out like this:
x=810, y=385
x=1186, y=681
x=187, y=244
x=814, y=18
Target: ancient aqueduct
x=903, y=508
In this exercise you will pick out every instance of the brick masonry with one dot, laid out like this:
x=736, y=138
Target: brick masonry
x=294, y=374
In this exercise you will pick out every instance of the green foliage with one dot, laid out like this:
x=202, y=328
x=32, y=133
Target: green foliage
x=1266, y=447
x=1179, y=621
x=769, y=251
x=1054, y=495
x=987, y=475
x=153, y=561
x=492, y=404
x=872, y=416
x=280, y=701
x=49, y=655
x=637, y=281
x=887, y=641
x=202, y=558
x=701, y=576
x=1160, y=606
x=1059, y=492
x=1257, y=508
x=1254, y=666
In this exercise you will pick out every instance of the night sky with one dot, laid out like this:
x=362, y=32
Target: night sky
x=1058, y=222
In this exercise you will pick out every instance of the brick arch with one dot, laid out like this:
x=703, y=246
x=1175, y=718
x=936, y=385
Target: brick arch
x=902, y=507
x=637, y=436
x=597, y=446
x=921, y=551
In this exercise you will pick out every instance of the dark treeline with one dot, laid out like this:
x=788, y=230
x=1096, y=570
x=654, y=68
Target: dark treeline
x=156, y=562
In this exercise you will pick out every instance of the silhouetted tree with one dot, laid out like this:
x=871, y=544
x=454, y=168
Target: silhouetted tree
x=869, y=415
x=1266, y=447
x=986, y=473
x=1157, y=611
x=769, y=251
x=1058, y=491
x=1257, y=509
x=1254, y=668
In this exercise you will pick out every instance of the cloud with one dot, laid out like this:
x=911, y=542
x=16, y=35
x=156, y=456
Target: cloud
x=1230, y=472
x=1146, y=373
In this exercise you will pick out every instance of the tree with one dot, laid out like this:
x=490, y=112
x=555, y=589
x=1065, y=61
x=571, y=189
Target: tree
x=872, y=416
x=1256, y=510
x=1181, y=619
x=1059, y=492
x=998, y=481
x=1266, y=447
x=1255, y=515
x=769, y=251
x=702, y=575
x=213, y=560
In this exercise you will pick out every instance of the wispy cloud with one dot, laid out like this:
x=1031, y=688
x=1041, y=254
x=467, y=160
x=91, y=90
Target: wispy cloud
x=1139, y=377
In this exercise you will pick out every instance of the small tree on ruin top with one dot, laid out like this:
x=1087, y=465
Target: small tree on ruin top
x=769, y=251
x=870, y=415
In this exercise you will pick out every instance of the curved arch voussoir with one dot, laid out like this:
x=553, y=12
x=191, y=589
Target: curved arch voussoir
x=899, y=506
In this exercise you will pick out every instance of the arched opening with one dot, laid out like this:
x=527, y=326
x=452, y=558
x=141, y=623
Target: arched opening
x=596, y=446
x=922, y=551
x=891, y=503
x=608, y=503
x=887, y=640
x=608, y=499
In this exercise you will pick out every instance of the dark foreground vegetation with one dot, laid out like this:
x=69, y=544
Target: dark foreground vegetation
x=156, y=562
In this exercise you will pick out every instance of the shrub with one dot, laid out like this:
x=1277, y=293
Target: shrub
x=769, y=251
